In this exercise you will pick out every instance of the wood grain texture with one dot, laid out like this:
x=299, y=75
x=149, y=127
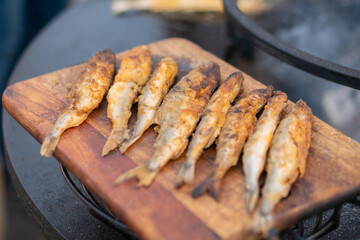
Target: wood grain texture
x=160, y=211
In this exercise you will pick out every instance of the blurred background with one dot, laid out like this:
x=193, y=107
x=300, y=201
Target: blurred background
x=327, y=29
x=20, y=21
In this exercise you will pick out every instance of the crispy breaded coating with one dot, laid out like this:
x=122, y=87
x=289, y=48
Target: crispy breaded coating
x=212, y=120
x=239, y=123
x=285, y=163
x=134, y=72
x=151, y=96
x=256, y=147
x=86, y=95
x=287, y=155
x=177, y=117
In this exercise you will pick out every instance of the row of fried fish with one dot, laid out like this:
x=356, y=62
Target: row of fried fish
x=282, y=147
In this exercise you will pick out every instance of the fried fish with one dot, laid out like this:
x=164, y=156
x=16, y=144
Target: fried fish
x=151, y=96
x=258, y=144
x=212, y=120
x=86, y=95
x=239, y=122
x=134, y=72
x=286, y=160
x=177, y=117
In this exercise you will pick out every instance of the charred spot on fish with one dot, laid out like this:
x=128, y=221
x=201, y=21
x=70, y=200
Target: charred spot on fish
x=265, y=91
x=236, y=110
x=206, y=111
x=212, y=74
x=109, y=56
x=103, y=69
x=197, y=88
x=176, y=89
x=233, y=136
x=211, y=70
x=294, y=141
x=92, y=64
x=236, y=75
x=204, y=84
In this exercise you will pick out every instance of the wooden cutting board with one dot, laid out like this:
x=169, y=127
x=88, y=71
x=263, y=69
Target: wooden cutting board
x=160, y=211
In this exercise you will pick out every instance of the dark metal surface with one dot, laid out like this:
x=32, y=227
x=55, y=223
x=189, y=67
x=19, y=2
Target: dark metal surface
x=284, y=52
x=93, y=204
x=319, y=228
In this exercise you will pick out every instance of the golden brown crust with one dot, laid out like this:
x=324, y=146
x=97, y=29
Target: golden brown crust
x=258, y=144
x=287, y=156
x=178, y=116
x=151, y=96
x=192, y=92
x=135, y=69
x=86, y=95
x=238, y=124
x=136, y=66
x=303, y=139
x=286, y=162
x=94, y=81
x=213, y=118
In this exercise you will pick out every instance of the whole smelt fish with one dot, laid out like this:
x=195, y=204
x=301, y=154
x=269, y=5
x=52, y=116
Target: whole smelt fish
x=177, y=117
x=286, y=160
x=151, y=96
x=212, y=120
x=85, y=96
x=258, y=144
x=239, y=122
x=134, y=72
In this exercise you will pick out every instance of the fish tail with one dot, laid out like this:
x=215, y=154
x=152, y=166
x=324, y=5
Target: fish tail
x=252, y=196
x=64, y=121
x=49, y=144
x=264, y=225
x=128, y=142
x=211, y=185
x=145, y=175
x=215, y=190
x=115, y=139
x=265, y=206
x=186, y=174
x=144, y=122
x=260, y=227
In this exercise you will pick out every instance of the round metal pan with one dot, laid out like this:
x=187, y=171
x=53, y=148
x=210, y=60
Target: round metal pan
x=264, y=40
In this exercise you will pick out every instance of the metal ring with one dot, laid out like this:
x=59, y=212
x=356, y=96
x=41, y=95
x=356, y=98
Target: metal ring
x=93, y=204
x=318, y=230
x=293, y=56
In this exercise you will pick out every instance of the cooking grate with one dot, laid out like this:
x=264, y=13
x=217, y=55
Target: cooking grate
x=314, y=227
x=97, y=209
